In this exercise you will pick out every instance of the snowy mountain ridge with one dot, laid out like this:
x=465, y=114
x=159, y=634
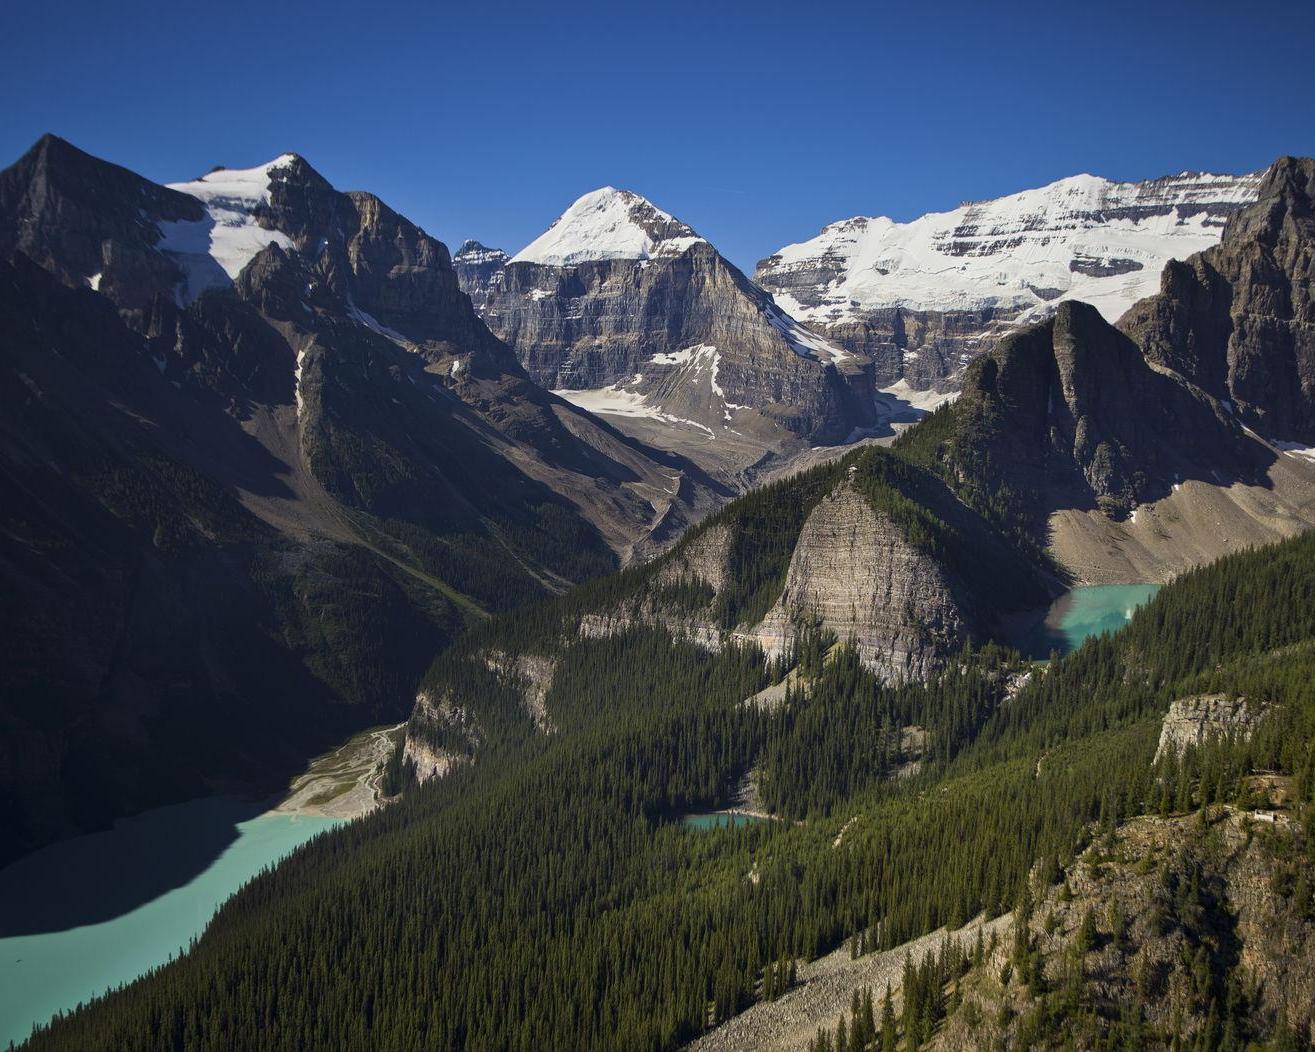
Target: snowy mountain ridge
x=1083, y=237
x=608, y=223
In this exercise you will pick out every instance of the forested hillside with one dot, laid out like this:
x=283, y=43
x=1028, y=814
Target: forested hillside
x=869, y=550
x=545, y=896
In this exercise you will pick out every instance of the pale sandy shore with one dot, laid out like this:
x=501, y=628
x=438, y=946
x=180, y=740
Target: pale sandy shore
x=343, y=783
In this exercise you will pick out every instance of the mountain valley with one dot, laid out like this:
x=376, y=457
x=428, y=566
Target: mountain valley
x=627, y=537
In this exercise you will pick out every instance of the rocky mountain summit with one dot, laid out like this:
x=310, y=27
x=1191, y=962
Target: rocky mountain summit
x=1170, y=929
x=476, y=265
x=261, y=459
x=624, y=310
x=1239, y=318
x=923, y=298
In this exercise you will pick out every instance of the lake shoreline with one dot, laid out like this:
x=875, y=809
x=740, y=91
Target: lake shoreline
x=84, y=915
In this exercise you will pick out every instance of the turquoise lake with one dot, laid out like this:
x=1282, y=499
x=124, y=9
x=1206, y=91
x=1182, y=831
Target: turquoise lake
x=1083, y=612
x=719, y=820
x=84, y=915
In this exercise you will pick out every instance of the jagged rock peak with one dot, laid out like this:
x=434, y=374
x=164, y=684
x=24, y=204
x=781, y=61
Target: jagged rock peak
x=608, y=223
x=473, y=253
x=1239, y=318
x=1286, y=199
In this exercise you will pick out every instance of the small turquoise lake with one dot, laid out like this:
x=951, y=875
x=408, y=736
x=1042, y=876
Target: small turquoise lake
x=719, y=820
x=1083, y=612
x=84, y=915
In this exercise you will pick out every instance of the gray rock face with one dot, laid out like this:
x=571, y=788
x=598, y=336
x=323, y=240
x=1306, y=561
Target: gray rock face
x=854, y=573
x=477, y=268
x=672, y=329
x=533, y=674
x=1194, y=720
x=1070, y=414
x=451, y=737
x=923, y=299
x=1239, y=318
x=704, y=560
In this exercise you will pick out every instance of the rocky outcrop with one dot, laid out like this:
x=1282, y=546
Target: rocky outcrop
x=1194, y=720
x=441, y=735
x=855, y=574
x=1238, y=319
x=1154, y=925
x=533, y=673
x=703, y=559
x=428, y=762
x=923, y=299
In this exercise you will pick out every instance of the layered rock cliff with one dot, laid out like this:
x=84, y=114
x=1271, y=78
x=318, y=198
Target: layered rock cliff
x=855, y=573
x=875, y=553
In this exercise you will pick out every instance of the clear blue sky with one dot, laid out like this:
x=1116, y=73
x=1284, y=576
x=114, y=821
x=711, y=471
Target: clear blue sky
x=755, y=123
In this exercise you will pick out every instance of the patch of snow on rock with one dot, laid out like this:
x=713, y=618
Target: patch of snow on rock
x=214, y=250
x=1296, y=449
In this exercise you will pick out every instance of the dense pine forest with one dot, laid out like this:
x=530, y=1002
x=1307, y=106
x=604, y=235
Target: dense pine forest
x=547, y=896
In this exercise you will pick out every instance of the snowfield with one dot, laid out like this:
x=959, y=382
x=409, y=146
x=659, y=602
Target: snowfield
x=1083, y=237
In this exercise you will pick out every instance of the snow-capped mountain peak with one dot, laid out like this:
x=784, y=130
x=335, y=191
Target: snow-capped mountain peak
x=472, y=253
x=608, y=223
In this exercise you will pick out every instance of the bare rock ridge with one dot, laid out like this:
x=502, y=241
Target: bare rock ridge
x=923, y=299
x=249, y=414
x=1070, y=410
x=623, y=309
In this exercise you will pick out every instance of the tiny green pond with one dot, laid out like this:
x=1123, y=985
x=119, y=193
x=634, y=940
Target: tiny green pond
x=84, y=915
x=1084, y=612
